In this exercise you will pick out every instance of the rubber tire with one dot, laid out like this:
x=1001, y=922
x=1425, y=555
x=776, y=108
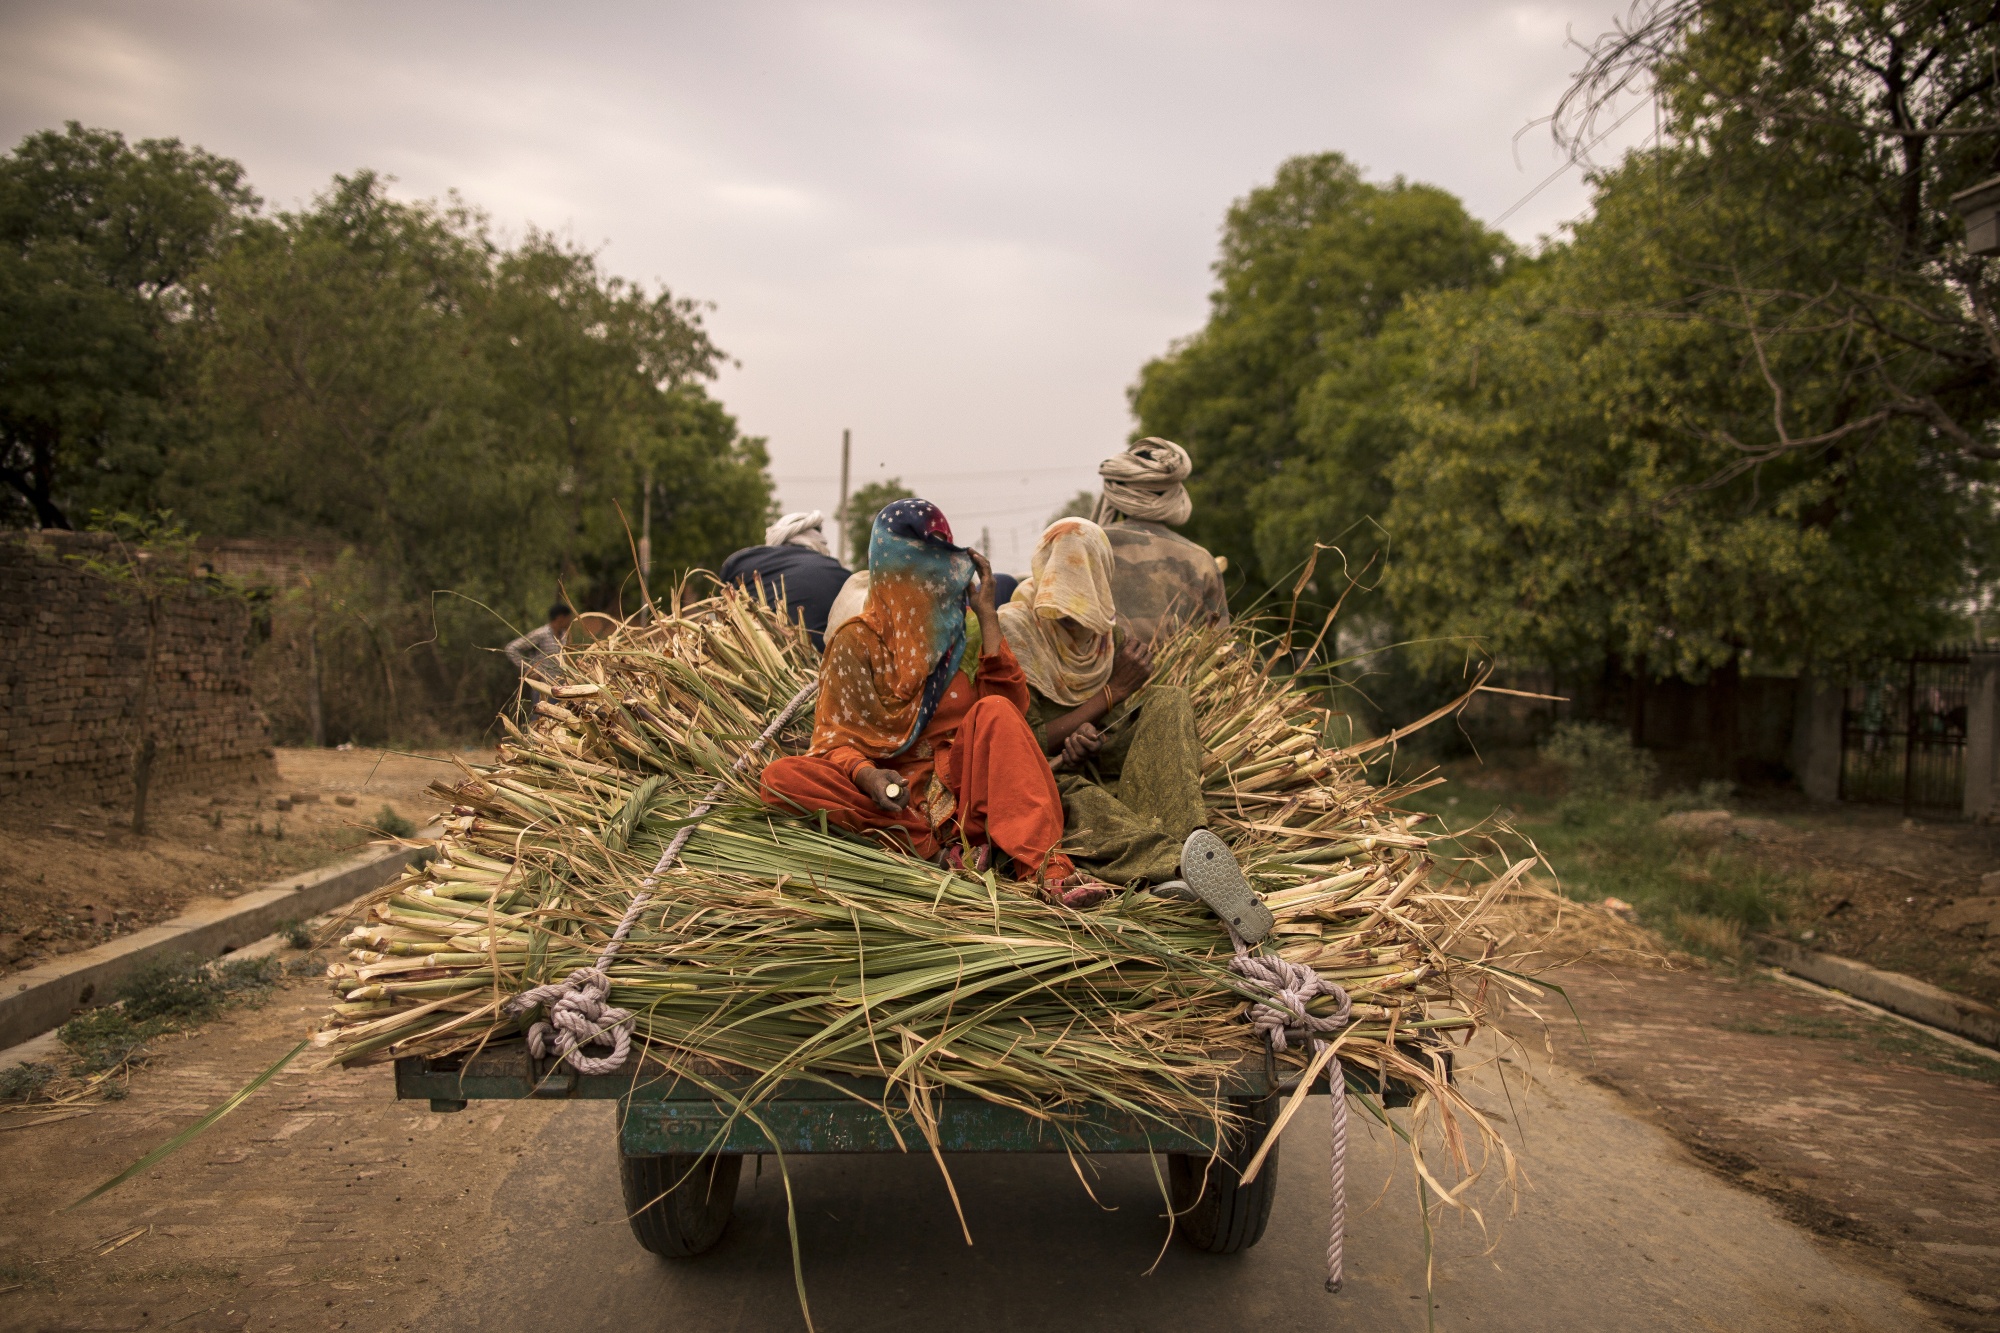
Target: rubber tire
x=680, y=1205
x=1225, y=1216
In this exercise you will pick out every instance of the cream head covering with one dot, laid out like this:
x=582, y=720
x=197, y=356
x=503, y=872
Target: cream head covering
x=1144, y=483
x=1059, y=621
x=801, y=529
x=847, y=604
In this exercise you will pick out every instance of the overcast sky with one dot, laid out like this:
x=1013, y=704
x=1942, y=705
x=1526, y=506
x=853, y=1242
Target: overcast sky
x=958, y=230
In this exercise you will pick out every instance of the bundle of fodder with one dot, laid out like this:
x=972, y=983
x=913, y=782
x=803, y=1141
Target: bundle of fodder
x=774, y=945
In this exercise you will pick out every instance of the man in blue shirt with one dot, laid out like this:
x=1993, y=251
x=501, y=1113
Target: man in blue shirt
x=795, y=564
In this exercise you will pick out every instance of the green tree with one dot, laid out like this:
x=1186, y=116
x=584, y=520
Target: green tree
x=381, y=372
x=344, y=389
x=1745, y=415
x=1579, y=490
x=98, y=239
x=471, y=420
x=1081, y=505
x=1865, y=118
x=598, y=382
x=858, y=518
x=1314, y=267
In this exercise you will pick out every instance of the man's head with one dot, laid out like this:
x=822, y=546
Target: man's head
x=1145, y=482
x=800, y=529
x=560, y=618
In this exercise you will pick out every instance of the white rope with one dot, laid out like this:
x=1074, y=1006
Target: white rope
x=1283, y=1020
x=575, y=1009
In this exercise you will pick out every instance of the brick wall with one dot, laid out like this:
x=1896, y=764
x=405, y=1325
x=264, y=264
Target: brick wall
x=72, y=654
x=258, y=563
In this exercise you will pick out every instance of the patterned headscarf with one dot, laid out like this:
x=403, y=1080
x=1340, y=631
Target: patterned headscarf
x=1059, y=621
x=886, y=669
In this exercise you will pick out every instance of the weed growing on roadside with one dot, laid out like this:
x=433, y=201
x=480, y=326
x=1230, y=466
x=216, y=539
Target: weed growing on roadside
x=168, y=994
x=1599, y=763
x=106, y=1038
x=24, y=1080
x=175, y=987
x=243, y=976
x=388, y=822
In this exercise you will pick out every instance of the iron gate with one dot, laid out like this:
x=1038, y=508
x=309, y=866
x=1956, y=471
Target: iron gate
x=1903, y=733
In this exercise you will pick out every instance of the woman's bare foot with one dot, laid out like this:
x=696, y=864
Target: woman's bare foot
x=1079, y=891
x=953, y=857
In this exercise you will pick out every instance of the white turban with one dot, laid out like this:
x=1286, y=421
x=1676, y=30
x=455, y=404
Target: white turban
x=1144, y=483
x=801, y=529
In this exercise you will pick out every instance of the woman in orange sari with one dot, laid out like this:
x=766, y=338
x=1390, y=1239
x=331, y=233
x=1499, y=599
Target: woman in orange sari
x=920, y=735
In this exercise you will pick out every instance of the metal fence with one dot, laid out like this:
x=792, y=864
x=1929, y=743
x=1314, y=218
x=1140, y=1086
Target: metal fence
x=1903, y=733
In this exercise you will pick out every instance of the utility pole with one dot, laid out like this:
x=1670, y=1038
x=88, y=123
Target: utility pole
x=646, y=530
x=846, y=458
x=315, y=711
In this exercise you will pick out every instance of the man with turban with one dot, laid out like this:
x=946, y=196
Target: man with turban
x=1161, y=579
x=920, y=735
x=1129, y=751
x=793, y=564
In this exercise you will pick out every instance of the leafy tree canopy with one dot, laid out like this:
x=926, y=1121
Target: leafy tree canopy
x=1313, y=267
x=98, y=240
x=1745, y=411
x=464, y=417
x=482, y=421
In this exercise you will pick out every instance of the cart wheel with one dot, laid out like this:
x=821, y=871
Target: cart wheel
x=1221, y=1215
x=680, y=1205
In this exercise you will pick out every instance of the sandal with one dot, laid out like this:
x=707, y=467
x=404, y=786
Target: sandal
x=1214, y=876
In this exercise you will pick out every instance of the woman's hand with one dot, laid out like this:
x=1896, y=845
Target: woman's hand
x=1079, y=746
x=1130, y=669
x=885, y=786
x=982, y=601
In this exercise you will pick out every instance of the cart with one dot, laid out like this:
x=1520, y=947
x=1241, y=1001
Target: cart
x=681, y=1153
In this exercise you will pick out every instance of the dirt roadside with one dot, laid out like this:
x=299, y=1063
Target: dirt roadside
x=75, y=876
x=1874, y=886
x=322, y=1204
x=1861, y=1130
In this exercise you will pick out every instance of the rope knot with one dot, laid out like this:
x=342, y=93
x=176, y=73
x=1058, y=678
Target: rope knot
x=578, y=1010
x=1283, y=1019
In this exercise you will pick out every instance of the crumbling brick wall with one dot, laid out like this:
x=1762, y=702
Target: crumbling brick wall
x=72, y=660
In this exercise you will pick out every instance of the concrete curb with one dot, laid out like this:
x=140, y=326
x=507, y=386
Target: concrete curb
x=44, y=997
x=1892, y=990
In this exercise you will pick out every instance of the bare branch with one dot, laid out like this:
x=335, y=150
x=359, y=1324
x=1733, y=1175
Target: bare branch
x=1929, y=409
x=1616, y=63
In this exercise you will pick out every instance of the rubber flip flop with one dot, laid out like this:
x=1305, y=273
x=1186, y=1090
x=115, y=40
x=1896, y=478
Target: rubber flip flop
x=1211, y=871
x=1176, y=890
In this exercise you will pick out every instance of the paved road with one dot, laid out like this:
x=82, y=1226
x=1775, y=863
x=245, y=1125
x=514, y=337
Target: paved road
x=1621, y=1231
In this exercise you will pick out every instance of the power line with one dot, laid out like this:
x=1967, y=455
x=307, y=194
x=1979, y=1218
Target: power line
x=954, y=476
x=1017, y=509
x=1575, y=158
